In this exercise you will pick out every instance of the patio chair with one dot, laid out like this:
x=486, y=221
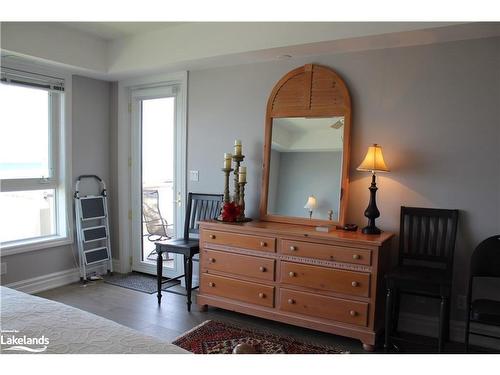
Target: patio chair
x=156, y=226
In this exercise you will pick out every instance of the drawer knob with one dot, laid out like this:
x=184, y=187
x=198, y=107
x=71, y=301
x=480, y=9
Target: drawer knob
x=353, y=313
x=291, y=301
x=212, y=236
x=293, y=248
x=211, y=260
x=262, y=269
x=263, y=244
x=291, y=274
x=354, y=283
x=211, y=285
x=355, y=256
x=262, y=295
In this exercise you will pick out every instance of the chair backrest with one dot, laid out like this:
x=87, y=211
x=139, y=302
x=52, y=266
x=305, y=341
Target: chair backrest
x=151, y=212
x=485, y=261
x=200, y=207
x=427, y=236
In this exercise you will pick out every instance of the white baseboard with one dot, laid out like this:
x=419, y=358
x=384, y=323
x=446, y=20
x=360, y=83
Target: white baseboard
x=428, y=326
x=117, y=267
x=54, y=280
x=46, y=282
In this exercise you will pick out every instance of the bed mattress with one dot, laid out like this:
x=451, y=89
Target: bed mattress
x=32, y=324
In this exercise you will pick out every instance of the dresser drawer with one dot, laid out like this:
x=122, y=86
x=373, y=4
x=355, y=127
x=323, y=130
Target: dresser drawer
x=310, y=304
x=239, y=240
x=226, y=287
x=259, y=268
x=323, y=278
x=326, y=252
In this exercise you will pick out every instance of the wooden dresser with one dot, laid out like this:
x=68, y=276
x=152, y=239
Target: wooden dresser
x=331, y=282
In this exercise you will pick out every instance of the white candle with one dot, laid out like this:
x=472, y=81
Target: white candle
x=242, y=176
x=237, y=147
x=227, y=160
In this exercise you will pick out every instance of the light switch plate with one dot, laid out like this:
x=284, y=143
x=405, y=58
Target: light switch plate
x=194, y=175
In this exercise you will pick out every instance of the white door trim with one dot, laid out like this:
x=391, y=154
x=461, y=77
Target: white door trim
x=136, y=96
x=124, y=183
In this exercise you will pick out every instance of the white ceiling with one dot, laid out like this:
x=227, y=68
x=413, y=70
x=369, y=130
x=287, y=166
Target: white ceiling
x=116, y=30
x=121, y=50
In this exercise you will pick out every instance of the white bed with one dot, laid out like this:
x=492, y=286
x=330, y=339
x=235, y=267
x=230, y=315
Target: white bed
x=70, y=330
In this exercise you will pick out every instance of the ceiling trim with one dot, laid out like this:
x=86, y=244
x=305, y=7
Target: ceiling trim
x=195, y=46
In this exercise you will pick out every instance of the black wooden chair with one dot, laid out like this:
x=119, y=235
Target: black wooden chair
x=425, y=266
x=199, y=207
x=485, y=263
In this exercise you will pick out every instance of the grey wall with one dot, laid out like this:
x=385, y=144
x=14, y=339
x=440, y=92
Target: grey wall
x=301, y=174
x=90, y=154
x=434, y=109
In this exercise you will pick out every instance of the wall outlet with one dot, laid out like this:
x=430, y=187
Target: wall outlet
x=194, y=175
x=461, y=302
x=3, y=269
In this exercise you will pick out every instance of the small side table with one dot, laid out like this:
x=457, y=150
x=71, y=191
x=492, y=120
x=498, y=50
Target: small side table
x=188, y=248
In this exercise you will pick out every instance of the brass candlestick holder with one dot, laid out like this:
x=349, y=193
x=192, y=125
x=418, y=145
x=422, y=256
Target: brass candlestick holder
x=229, y=210
x=241, y=203
x=237, y=161
x=226, y=171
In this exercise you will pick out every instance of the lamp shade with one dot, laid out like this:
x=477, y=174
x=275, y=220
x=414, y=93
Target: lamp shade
x=311, y=203
x=374, y=160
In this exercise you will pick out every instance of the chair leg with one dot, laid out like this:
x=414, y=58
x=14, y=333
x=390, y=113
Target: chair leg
x=467, y=328
x=388, y=320
x=188, y=271
x=159, y=276
x=447, y=322
x=443, y=322
x=395, y=310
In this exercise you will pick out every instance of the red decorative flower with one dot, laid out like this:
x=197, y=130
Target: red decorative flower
x=230, y=211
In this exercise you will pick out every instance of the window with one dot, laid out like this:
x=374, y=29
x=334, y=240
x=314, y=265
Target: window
x=32, y=189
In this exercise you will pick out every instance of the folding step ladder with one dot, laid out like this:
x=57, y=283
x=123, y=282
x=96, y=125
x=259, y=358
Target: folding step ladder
x=92, y=228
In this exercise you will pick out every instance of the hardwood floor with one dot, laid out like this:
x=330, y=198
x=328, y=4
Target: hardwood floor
x=140, y=311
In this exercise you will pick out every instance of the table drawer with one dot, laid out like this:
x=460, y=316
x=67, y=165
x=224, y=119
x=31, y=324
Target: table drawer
x=323, y=278
x=326, y=252
x=260, y=268
x=352, y=312
x=245, y=291
x=243, y=241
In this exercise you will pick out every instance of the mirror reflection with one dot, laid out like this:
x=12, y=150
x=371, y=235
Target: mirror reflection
x=306, y=167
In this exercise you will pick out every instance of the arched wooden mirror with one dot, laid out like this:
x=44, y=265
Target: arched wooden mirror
x=306, y=151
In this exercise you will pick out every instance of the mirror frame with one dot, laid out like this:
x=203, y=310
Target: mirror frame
x=308, y=91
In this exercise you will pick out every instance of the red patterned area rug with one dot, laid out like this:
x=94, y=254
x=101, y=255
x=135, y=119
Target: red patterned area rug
x=214, y=337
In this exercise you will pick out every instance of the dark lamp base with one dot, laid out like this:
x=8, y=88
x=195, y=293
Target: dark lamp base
x=372, y=211
x=371, y=230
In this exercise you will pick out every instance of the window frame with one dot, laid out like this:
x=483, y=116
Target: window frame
x=59, y=177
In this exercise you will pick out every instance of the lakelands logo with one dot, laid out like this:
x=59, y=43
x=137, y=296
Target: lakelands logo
x=22, y=343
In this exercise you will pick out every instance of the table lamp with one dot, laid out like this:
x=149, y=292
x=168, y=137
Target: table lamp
x=311, y=204
x=373, y=162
